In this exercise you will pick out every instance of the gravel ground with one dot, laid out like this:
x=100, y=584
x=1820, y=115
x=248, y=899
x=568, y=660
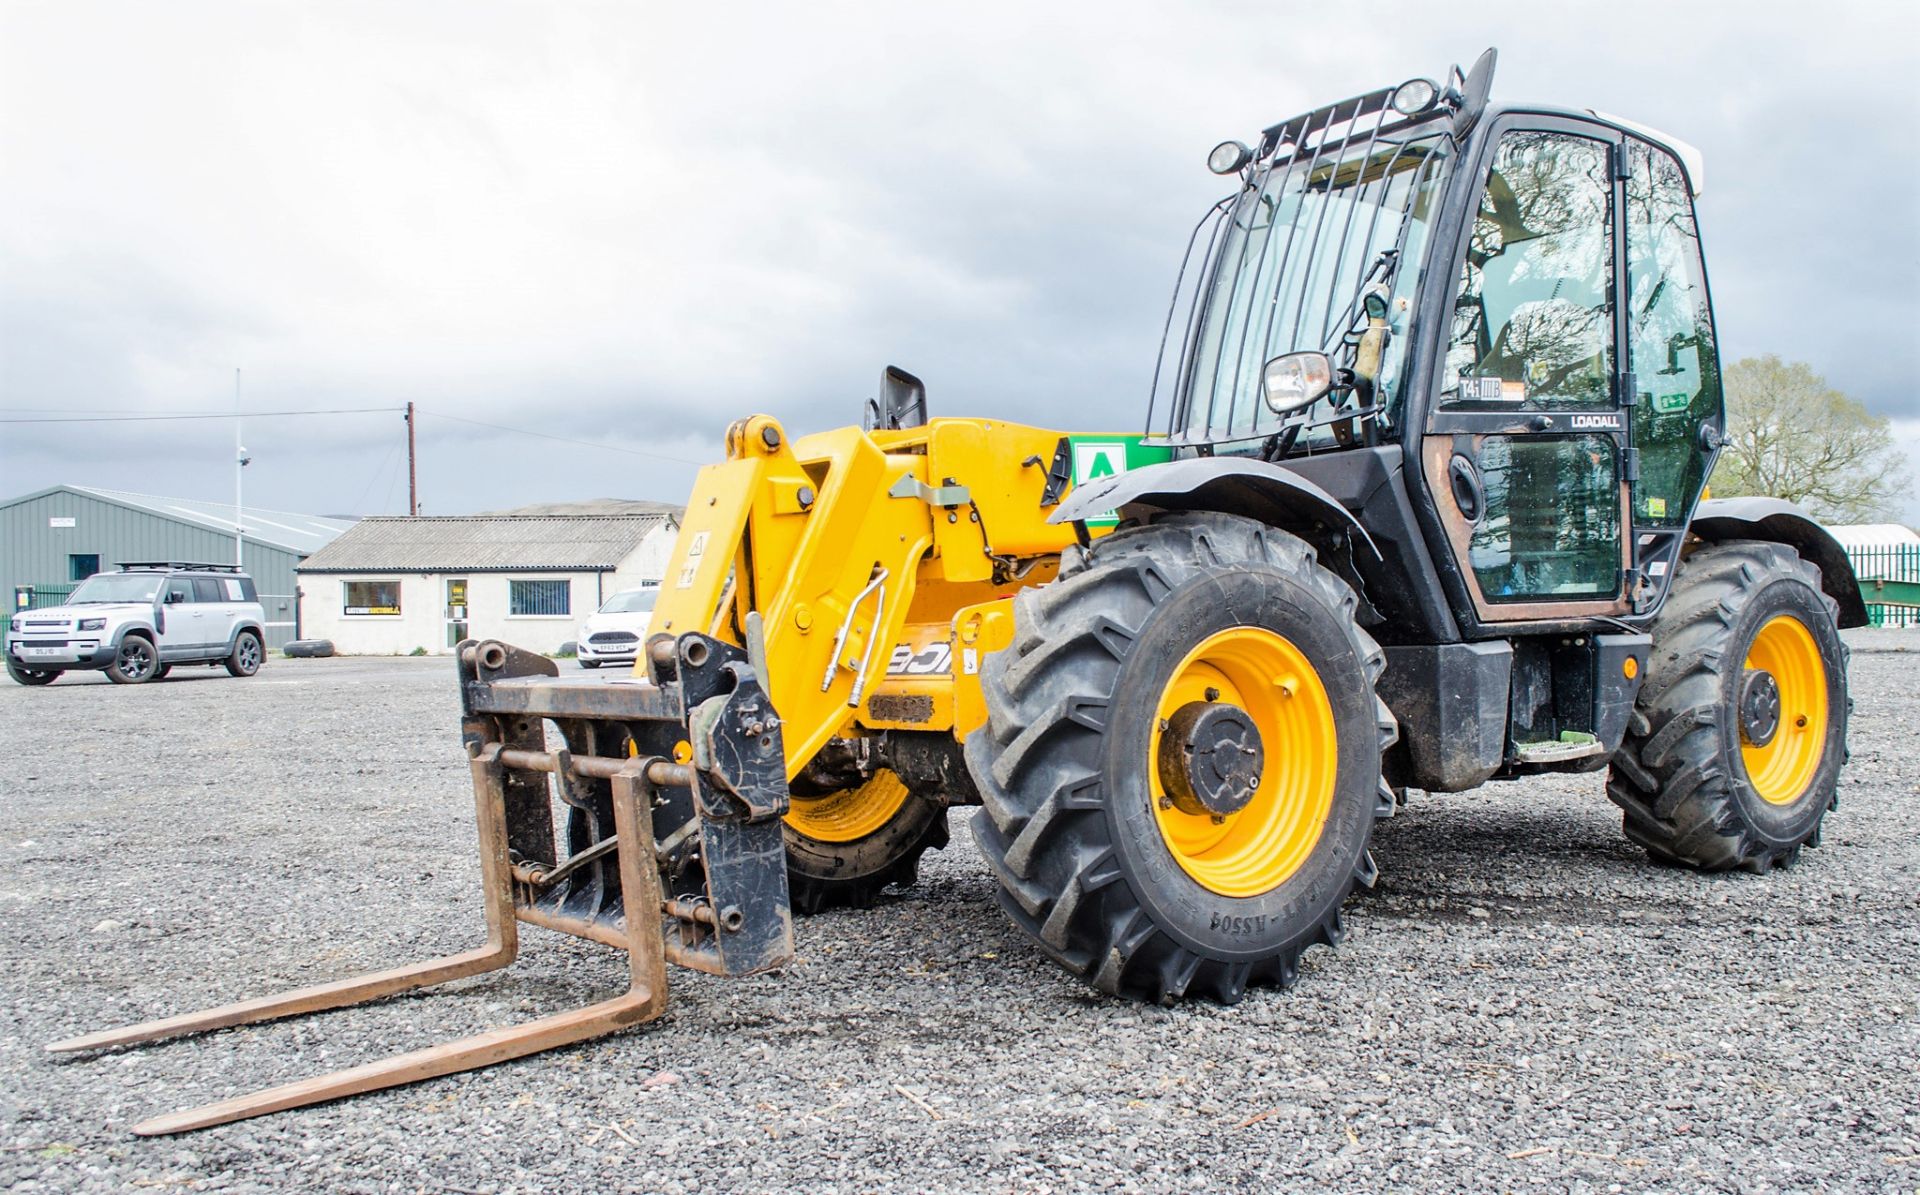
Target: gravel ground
x=1525, y=1003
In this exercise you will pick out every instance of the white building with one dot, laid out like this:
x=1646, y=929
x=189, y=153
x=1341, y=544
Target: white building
x=390, y=585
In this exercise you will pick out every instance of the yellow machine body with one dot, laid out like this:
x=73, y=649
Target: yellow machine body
x=880, y=568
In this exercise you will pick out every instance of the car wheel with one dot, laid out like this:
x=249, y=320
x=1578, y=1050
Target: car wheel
x=31, y=676
x=247, y=654
x=135, y=663
x=589, y=663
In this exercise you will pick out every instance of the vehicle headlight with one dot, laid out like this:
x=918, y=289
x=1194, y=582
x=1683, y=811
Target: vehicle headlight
x=92, y=624
x=13, y=624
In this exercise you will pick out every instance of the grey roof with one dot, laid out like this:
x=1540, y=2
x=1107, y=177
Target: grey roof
x=295, y=533
x=595, y=506
x=485, y=544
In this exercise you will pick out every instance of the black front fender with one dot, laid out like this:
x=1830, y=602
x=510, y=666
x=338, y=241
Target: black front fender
x=1227, y=484
x=1779, y=521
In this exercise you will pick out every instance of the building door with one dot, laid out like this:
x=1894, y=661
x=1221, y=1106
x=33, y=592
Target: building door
x=456, y=611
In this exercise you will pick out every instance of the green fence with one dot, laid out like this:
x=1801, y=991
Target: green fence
x=1890, y=583
x=38, y=597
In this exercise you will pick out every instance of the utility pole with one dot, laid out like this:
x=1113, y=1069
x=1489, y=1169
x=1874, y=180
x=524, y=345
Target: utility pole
x=239, y=464
x=413, y=485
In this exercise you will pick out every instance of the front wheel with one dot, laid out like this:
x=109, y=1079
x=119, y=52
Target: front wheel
x=1732, y=754
x=1180, y=771
x=845, y=848
x=135, y=663
x=30, y=676
x=246, y=656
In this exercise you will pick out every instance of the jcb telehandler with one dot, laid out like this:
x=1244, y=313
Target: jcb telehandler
x=1419, y=505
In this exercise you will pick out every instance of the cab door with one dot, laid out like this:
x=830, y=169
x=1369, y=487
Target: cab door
x=1525, y=449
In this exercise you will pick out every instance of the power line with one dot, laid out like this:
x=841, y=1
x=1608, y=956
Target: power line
x=221, y=415
x=521, y=431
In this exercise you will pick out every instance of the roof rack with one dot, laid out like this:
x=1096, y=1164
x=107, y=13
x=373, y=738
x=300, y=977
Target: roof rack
x=170, y=565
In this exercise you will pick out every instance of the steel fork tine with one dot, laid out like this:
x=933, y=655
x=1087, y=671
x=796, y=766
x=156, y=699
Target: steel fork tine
x=503, y=944
x=470, y=1053
x=644, y=1000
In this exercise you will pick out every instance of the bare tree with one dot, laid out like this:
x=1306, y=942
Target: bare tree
x=1793, y=436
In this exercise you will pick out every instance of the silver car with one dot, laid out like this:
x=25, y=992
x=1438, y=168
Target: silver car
x=135, y=625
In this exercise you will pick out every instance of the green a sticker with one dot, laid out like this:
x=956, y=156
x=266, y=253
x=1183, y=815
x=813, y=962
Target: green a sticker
x=1096, y=457
x=1667, y=404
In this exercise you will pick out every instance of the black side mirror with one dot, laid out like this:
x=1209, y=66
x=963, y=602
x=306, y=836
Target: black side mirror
x=175, y=597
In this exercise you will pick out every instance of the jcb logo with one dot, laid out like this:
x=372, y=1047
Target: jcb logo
x=935, y=657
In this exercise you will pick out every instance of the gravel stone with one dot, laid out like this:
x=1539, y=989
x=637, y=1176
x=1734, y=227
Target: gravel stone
x=1525, y=1002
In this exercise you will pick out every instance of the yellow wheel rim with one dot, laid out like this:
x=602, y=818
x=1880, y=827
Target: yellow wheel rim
x=1258, y=848
x=1781, y=771
x=850, y=813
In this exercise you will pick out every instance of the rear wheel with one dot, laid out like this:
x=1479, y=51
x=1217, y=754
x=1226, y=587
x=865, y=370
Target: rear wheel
x=1732, y=756
x=1181, y=766
x=844, y=848
x=135, y=663
x=31, y=676
x=246, y=656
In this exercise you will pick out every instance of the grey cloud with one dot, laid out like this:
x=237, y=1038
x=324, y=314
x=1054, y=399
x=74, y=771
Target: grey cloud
x=635, y=224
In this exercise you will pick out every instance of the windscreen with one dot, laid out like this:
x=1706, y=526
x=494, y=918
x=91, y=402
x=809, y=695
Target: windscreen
x=1284, y=266
x=633, y=601
x=116, y=587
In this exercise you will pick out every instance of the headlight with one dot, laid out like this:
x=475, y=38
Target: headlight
x=1414, y=97
x=91, y=624
x=1296, y=380
x=13, y=624
x=1228, y=156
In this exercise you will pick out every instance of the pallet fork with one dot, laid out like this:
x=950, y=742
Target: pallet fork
x=697, y=747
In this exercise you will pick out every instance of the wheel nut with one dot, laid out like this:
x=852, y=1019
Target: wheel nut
x=1217, y=818
x=1213, y=694
x=1166, y=802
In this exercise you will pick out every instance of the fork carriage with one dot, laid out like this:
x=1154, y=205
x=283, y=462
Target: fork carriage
x=710, y=894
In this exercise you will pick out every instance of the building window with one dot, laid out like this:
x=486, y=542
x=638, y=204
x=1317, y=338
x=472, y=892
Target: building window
x=539, y=599
x=82, y=565
x=370, y=597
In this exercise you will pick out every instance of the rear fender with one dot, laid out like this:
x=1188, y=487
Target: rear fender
x=1776, y=520
x=1229, y=485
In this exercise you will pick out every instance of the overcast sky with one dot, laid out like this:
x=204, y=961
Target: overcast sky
x=630, y=223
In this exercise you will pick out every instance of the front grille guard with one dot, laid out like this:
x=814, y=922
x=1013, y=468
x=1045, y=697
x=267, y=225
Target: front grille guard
x=1317, y=302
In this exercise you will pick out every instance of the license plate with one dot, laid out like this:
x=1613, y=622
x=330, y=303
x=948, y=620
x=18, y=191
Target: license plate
x=37, y=653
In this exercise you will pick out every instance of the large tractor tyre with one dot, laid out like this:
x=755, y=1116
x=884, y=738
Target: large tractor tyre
x=31, y=676
x=135, y=663
x=1180, y=771
x=1732, y=754
x=844, y=848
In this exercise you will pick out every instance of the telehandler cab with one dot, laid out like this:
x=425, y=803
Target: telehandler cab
x=1418, y=505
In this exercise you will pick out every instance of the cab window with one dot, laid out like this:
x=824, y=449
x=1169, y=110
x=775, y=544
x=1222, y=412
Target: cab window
x=1670, y=347
x=1532, y=320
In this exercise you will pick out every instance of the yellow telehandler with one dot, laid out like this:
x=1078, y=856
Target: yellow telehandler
x=1418, y=504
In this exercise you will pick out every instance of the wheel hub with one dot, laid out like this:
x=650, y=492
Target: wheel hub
x=1210, y=759
x=1759, y=707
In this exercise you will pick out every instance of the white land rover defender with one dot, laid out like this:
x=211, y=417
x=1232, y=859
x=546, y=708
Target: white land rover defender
x=136, y=624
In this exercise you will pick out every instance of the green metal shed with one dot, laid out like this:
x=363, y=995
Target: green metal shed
x=52, y=539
